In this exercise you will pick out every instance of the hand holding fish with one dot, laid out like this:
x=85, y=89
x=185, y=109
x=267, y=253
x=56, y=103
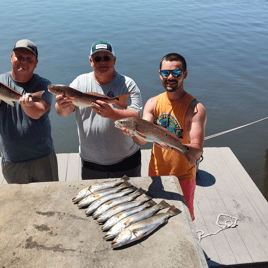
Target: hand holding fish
x=26, y=100
x=102, y=108
x=64, y=105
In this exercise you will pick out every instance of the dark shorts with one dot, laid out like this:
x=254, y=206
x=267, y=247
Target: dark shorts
x=130, y=166
x=40, y=170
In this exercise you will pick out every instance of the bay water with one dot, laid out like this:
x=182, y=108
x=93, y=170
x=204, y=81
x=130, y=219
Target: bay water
x=224, y=43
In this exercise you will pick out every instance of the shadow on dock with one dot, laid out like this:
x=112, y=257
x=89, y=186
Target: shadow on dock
x=156, y=190
x=204, y=179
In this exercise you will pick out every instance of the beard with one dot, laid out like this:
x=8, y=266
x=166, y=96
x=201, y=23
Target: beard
x=174, y=85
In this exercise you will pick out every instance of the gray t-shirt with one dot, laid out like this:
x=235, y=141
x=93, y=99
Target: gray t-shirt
x=21, y=137
x=100, y=141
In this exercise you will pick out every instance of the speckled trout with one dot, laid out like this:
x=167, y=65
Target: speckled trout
x=124, y=213
x=112, y=203
x=127, y=221
x=106, y=198
x=143, y=228
x=85, y=202
x=85, y=99
x=151, y=132
x=8, y=95
x=97, y=187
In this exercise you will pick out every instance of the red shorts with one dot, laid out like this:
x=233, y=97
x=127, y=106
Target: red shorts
x=188, y=189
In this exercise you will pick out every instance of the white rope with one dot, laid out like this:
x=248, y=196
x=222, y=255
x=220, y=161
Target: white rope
x=225, y=225
x=227, y=131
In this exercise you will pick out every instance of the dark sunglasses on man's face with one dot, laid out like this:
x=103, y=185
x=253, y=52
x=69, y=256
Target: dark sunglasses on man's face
x=175, y=73
x=98, y=58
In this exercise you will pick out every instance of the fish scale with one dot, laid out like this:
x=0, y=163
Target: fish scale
x=9, y=95
x=103, y=208
x=143, y=228
x=124, y=223
x=106, y=198
x=79, y=98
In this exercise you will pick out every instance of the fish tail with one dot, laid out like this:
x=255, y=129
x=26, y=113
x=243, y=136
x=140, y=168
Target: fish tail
x=151, y=203
x=174, y=211
x=141, y=191
x=125, y=178
x=126, y=184
x=121, y=101
x=163, y=204
x=36, y=96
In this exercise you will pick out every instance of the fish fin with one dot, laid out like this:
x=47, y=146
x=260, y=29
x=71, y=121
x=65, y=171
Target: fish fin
x=151, y=203
x=174, y=211
x=163, y=204
x=122, y=100
x=141, y=235
x=140, y=135
x=9, y=102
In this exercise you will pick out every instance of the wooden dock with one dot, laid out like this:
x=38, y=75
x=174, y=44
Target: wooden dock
x=223, y=187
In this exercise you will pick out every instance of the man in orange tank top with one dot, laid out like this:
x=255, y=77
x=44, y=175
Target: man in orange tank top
x=181, y=113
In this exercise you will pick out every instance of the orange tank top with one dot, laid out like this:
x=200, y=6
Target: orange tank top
x=171, y=114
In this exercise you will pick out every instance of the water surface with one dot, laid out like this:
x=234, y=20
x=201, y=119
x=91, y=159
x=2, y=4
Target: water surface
x=224, y=43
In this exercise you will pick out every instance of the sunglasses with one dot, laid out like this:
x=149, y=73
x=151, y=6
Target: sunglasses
x=98, y=58
x=175, y=73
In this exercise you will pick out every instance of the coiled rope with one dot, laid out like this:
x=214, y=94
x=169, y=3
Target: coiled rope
x=230, y=222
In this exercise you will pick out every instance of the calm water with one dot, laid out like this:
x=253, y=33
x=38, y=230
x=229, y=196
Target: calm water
x=224, y=43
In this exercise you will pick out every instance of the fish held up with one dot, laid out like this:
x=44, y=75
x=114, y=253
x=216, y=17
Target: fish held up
x=86, y=99
x=151, y=132
x=9, y=95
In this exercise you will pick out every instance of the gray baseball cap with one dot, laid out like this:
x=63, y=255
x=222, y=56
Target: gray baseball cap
x=25, y=43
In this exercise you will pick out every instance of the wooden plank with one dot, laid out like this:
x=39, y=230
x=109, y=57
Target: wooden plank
x=210, y=208
x=201, y=204
x=1, y=175
x=249, y=187
x=252, y=230
x=226, y=204
x=2, y=179
x=145, y=160
x=73, y=168
x=258, y=225
x=62, y=166
x=249, y=239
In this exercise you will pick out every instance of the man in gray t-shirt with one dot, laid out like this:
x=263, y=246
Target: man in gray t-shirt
x=105, y=151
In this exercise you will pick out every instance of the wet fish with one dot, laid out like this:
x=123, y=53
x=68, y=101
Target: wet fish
x=8, y=95
x=124, y=223
x=124, y=206
x=104, y=207
x=97, y=187
x=106, y=198
x=143, y=228
x=85, y=99
x=121, y=215
x=152, y=132
x=93, y=197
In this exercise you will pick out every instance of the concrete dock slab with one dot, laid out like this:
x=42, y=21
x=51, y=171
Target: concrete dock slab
x=41, y=227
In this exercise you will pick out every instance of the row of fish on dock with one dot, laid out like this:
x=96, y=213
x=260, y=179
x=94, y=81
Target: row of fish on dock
x=126, y=212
